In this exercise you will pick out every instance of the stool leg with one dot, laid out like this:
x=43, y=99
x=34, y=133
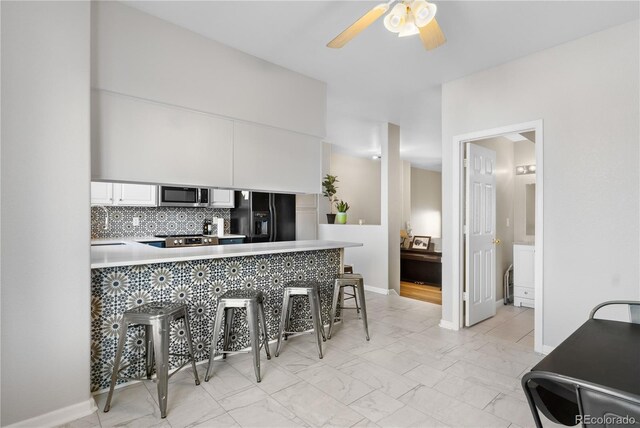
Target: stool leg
x=363, y=305
x=254, y=337
x=265, y=332
x=355, y=299
x=334, y=307
x=314, y=300
x=187, y=329
x=148, y=337
x=287, y=325
x=228, y=325
x=161, y=351
x=215, y=335
x=122, y=338
x=283, y=320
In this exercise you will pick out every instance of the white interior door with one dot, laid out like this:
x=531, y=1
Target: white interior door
x=480, y=235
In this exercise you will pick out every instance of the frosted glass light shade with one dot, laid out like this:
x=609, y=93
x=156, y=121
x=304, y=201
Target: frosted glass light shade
x=395, y=20
x=423, y=12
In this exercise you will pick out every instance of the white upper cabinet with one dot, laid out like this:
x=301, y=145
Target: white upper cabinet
x=223, y=199
x=135, y=194
x=101, y=193
x=276, y=160
x=124, y=194
x=142, y=141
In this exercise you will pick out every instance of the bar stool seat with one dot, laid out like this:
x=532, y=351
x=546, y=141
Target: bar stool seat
x=310, y=289
x=253, y=301
x=156, y=317
x=356, y=282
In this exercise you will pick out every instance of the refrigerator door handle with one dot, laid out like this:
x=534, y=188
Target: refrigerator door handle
x=274, y=219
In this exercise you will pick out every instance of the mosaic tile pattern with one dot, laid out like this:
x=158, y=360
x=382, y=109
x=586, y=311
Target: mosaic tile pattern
x=198, y=283
x=153, y=220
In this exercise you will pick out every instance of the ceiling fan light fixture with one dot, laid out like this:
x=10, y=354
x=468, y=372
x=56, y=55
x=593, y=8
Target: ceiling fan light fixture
x=395, y=20
x=409, y=28
x=423, y=12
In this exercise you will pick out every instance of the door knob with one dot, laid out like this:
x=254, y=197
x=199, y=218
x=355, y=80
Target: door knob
x=496, y=241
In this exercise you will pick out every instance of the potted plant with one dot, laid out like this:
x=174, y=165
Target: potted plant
x=342, y=207
x=329, y=190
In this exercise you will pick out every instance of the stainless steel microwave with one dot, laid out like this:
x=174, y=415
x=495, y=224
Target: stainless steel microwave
x=175, y=196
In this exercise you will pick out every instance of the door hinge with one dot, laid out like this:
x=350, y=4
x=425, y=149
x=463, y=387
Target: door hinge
x=465, y=296
x=466, y=162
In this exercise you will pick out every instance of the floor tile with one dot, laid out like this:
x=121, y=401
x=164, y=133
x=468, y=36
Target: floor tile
x=315, y=407
x=513, y=410
x=456, y=413
x=397, y=363
x=379, y=378
x=87, y=422
x=264, y=413
x=223, y=421
x=337, y=384
x=376, y=405
x=425, y=375
x=476, y=395
x=407, y=416
x=243, y=398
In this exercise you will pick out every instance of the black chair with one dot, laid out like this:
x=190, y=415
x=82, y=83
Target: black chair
x=634, y=309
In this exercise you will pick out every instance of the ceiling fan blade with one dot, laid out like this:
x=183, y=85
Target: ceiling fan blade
x=431, y=35
x=355, y=28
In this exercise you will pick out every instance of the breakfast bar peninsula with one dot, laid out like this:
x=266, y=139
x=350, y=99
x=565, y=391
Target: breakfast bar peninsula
x=128, y=273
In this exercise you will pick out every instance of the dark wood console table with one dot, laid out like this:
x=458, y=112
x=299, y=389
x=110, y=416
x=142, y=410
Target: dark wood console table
x=421, y=266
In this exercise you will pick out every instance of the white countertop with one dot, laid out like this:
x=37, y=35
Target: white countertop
x=151, y=239
x=135, y=253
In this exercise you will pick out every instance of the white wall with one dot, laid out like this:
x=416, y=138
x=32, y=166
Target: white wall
x=586, y=93
x=359, y=185
x=505, y=185
x=45, y=188
x=137, y=54
x=394, y=202
x=426, y=202
x=406, y=194
x=379, y=259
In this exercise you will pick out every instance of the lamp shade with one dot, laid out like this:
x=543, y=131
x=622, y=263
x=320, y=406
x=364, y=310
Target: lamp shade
x=423, y=12
x=395, y=20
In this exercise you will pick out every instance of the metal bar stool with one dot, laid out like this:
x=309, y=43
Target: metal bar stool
x=301, y=288
x=156, y=317
x=253, y=301
x=356, y=282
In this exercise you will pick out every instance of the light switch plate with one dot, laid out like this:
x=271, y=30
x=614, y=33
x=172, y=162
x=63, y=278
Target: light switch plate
x=136, y=221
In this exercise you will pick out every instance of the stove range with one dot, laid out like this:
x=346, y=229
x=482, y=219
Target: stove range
x=187, y=240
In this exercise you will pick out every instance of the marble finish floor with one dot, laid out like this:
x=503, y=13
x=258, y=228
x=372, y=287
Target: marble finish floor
x=411, y=374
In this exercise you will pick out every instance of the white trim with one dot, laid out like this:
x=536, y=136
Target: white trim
x=499, y=303
x=60, y=416
x=546, y=349
x=448, y=325
x=379, y=290
x=457, y=240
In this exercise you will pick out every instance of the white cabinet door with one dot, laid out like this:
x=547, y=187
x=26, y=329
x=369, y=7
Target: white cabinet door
x=134, y=140
x=271, y=159
x=524, y=266
x=223, y=199
x=135, y=195
x=101, y=193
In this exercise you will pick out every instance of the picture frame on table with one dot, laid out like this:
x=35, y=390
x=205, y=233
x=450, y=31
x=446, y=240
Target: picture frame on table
x=420, y=243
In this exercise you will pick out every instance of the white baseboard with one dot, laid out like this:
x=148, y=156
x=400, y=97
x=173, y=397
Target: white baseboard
x=499, y=303
x=60, y=416
x=448, y=325
x=378, y=290
x=546, y=349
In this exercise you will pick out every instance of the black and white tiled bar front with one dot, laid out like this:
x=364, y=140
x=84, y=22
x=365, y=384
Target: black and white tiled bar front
x=129, y=275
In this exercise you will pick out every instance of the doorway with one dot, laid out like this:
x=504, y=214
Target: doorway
x=532, y=130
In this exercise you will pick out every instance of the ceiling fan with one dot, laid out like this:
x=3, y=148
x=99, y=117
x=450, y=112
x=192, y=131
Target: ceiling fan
x=406, y=18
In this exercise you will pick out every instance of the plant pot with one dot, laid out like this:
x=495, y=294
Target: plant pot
x=341, y=218
x=331, y=218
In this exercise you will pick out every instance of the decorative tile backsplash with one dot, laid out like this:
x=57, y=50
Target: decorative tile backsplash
x=153, y=220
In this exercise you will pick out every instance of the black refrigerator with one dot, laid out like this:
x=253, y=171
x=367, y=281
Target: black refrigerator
x=264, y=217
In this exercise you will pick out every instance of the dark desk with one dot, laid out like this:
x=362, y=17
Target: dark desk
x=421, y=266
x=602, y=352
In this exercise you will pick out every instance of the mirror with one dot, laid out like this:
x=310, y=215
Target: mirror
x=530, y=209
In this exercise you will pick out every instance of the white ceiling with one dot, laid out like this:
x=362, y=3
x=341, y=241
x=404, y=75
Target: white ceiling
x=377, y=76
